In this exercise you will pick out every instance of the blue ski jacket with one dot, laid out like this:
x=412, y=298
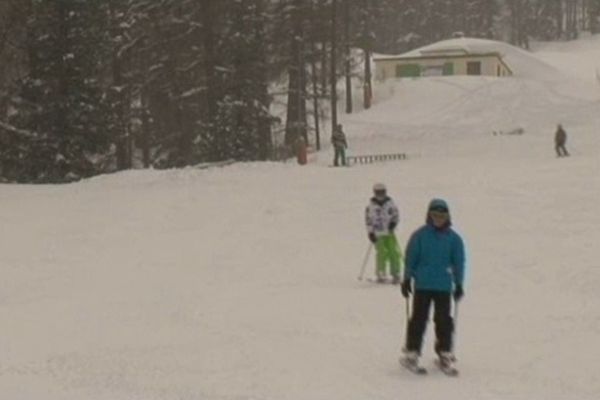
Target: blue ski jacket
x=435, y=257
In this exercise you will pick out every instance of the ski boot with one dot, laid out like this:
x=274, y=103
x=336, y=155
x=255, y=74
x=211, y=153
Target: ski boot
x=410, y=361
x=446, y=362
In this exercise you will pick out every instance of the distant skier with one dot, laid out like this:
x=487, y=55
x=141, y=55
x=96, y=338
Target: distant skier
x=560, y=139
x=382, y=217
x=338, y=139
x=434, y=265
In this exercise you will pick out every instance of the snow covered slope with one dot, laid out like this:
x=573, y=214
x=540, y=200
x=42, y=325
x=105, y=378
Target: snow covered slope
x=239, y=283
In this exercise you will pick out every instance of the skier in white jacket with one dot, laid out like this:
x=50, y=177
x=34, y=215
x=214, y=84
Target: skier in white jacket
x=382, y=217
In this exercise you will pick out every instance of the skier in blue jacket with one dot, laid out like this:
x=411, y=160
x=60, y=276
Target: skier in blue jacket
x=434, y=267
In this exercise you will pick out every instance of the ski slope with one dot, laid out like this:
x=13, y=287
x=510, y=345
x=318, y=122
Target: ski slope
x=239, y=283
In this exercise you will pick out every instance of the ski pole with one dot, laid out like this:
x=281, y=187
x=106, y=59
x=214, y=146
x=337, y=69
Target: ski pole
x=455, y=323
x=407, y=312
x=407, y=302
x=364, y=264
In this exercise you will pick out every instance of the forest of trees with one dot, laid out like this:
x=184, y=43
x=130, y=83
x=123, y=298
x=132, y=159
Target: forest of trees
x=95, y=86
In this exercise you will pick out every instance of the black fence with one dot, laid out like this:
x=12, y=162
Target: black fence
x=373, y=158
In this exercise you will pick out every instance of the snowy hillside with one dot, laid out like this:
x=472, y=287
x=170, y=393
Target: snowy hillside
x=239, y=283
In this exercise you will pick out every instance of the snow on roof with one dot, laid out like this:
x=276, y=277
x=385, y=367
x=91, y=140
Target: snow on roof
x=521, y=62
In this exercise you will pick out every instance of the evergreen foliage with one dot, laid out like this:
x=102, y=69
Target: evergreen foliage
x=60, y=100
x=89, y=87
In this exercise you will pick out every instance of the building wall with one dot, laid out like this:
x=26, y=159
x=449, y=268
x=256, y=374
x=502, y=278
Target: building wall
x=490, y=66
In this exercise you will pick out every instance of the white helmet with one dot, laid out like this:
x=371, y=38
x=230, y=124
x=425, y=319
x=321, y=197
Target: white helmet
x=379, y=187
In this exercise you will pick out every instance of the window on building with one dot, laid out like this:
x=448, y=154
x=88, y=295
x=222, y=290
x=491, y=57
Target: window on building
x=432, y=70
x=408, y=70
x=474, y=68
x=448, y=68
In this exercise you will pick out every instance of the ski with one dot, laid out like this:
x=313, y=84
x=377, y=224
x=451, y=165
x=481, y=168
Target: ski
x=413, y=367
x=374, y=280
x=385, y=281
x=447, y=369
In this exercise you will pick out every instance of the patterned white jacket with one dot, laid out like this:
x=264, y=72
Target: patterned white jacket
x=380, y=213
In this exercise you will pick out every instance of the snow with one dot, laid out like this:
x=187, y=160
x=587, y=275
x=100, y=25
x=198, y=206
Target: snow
x=239, y=283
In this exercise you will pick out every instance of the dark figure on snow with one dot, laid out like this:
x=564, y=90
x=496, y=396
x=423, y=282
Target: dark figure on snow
x=338, y=139
x=434, y=267
x=560, y=139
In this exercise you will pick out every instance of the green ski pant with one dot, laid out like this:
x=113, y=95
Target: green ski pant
x=340, y=154
x=388, y=250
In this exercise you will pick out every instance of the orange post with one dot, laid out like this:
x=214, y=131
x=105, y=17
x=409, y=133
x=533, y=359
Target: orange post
x=301, y=151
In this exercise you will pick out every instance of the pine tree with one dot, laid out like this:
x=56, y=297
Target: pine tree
x=60, y=100
x=243, y=113
x=479, y=18
x=13, y=16
x=291, y=54
x=594, y=16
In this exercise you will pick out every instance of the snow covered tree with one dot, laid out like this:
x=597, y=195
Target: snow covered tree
x=594, y=16
x=479, y=18
x=13, y=16
x=394, y=24
x=200, y=79
x=60, y=99
x=242, y=116
x=546, y=19
x=289, y=35
x=520, y=21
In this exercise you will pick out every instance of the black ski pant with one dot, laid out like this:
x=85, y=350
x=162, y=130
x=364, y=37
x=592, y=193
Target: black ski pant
x=444, y=325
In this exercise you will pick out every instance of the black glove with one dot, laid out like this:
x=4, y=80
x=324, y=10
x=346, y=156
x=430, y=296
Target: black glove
x=458, y=292
x=372, y=237
x=392, y=226
x=406, y=288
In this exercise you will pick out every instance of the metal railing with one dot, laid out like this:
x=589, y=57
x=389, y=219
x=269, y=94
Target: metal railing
x=372, y=158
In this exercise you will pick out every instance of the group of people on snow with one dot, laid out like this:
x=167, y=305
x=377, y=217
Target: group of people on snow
x=340, y=144
x=434, y=266
x=434, y=262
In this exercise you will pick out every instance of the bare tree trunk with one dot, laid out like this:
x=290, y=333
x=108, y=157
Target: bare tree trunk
x=145, y=131
x=583, y=12
x=296, y=107
x=265, y=147
x=140, y=60
x=315, y=86
x=63, y=80
x=209, y=71
x=323, y=62
x=367, y=89
x=347, y=58
x=333, y=76
x=571, y=16
x=518, y=16
x=120, y=133
x=559, y=20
